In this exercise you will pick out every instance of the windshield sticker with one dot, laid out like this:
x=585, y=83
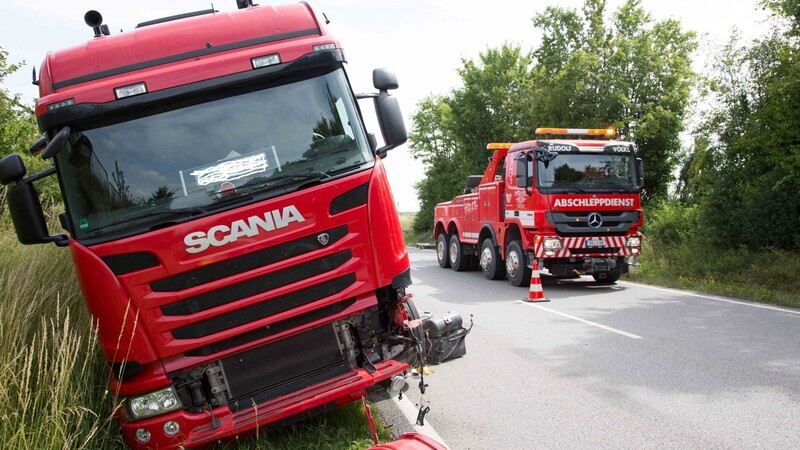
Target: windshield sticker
x=231, y=169
x=219, y=174
x=83, y=223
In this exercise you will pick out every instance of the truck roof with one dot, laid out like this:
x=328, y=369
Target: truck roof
x=190, y=39
x=582, y=144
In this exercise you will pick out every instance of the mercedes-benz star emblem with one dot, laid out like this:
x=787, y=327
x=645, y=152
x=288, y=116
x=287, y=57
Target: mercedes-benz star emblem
x=323, y=238
x=595, y=220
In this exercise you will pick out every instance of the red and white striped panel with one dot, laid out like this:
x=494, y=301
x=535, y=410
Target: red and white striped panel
x=580, y=243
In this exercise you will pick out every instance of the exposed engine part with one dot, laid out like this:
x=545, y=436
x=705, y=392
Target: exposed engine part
x=220, y=391
x=344, y=337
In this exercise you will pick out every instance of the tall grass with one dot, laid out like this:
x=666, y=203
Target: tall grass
x=53, y=380
x=679, y=251
x=53, y=388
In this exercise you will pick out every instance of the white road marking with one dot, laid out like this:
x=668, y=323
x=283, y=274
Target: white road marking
x=587, y=322
x=719, y=299
x=410, y=411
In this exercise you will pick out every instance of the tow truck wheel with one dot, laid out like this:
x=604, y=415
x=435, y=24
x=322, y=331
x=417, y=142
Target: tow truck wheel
x=517, y=270
x=442, y=253
x=489, y=261
x=609, y=277
x=458, y=260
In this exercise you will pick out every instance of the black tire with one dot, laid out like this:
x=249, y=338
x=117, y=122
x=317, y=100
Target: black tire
x=489, y=260
x=517, y=270
x=442, y=250
x=609, y=277
x=458, y=260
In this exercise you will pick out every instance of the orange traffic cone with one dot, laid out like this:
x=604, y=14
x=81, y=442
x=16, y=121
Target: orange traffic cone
x=536, y=294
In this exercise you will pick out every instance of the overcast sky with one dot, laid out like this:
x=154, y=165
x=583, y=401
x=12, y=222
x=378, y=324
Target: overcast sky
x=422, y=40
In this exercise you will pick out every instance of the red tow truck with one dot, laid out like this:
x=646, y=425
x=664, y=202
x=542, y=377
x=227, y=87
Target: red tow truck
x=229, y=217
x=573, y=204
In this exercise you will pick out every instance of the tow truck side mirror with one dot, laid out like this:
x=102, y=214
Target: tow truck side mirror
x=390, y=119
x=24, y=206
x=639, y=173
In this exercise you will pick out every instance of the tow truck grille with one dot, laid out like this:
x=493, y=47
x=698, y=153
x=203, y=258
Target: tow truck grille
x=615, y=223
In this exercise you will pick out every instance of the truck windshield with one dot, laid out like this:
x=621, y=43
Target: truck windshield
x=166, y=167
x=587, y=172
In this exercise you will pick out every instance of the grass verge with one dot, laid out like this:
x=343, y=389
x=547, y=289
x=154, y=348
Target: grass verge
x=771, y=276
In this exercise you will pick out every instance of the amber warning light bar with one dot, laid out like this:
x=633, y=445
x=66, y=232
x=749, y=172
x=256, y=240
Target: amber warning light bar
x=578, y=131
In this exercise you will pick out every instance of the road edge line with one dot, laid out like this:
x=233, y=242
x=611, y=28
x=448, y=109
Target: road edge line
x=584, y=321
x=409, y=410
x=711, y=297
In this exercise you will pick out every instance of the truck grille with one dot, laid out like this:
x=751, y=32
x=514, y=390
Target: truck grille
x=292, y=364
x=251, y=261
x=615, y=223
x=264, y=309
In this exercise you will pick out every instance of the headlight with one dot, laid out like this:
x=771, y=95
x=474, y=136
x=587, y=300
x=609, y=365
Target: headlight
x=552, y=244
x=634, y=242
x=153, y=404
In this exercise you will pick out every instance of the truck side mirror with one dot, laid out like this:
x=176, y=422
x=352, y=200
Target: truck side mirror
x=11, y=169
x=639, y=173
x=24, y=206
x=390, y=119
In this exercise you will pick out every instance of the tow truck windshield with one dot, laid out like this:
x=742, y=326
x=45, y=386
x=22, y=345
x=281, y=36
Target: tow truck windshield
x=586, y=172
x=130, y=176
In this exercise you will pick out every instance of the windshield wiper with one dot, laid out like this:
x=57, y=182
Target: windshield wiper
x=193, y=211
x=615, y=185
x=266, y=184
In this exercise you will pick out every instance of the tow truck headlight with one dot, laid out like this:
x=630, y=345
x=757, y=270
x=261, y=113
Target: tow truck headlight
x=634, y=242
x=154, y=403
x=552, y=244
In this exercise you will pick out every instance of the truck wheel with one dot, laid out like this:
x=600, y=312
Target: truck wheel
x=609, y=277
x=458, y=260
x=517, y=270
x=489, y=260
x=442, y=253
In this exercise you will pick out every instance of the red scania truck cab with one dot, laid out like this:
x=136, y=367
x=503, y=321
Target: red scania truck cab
x=572, y=204
x=229, y=217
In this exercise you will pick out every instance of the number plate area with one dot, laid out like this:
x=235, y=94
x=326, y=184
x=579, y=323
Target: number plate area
x=594, y=242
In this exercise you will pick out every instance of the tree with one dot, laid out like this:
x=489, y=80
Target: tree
x=634, y=74
x=745, y=175
x=449, y=133
x=18, y=130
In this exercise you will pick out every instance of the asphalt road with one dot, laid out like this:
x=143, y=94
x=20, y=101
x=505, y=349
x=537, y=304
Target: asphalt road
x=624, y=366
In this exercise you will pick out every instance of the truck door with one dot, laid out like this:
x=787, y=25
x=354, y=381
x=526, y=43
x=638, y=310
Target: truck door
x=519, y=186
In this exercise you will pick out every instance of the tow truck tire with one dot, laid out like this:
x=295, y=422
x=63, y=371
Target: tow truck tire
x=458, y=260
x=443, y=250
x=491, y=265
x=517, y=270
x=609, y=277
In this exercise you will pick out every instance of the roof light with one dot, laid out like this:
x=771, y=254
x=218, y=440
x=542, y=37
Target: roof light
x=130, y=90
x=61, y=104
x=496, y=145
x=321, y=47
x=264, y=61
x=578, y=131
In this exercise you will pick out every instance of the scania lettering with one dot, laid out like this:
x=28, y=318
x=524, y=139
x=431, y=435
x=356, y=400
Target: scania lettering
x=572, y=204
x=229, y=218
x=198, y=241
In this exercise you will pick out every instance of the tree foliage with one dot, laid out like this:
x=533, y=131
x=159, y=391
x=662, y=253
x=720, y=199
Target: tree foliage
x=18, y=130
x=744, y=171
x=588, y=71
